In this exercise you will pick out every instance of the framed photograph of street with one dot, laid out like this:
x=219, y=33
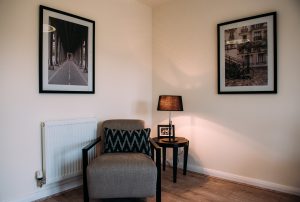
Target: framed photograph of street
x=247, y=55
x=66, y=52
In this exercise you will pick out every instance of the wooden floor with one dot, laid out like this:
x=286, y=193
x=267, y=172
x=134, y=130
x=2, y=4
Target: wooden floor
x=194, y=187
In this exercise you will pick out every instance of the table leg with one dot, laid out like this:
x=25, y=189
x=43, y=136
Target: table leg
x=164, y=158
x=175, y=157
x=186, y=152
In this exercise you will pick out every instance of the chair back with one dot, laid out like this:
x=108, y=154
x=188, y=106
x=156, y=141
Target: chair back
x=124, y=124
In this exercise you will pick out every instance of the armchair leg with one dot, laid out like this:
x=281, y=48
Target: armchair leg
x=85, y=194
x=158, y=196
x=85, y=188
x=158, y=182
x=86, y=197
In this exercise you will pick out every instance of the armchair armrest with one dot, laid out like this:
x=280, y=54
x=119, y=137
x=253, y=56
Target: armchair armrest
x=157, y=149
x=85, y=164
x=92, y=144
x=86, y=149
x=152, y=143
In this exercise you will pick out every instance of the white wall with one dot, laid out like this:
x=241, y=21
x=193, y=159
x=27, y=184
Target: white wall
x=248, y=138
x=123, y=52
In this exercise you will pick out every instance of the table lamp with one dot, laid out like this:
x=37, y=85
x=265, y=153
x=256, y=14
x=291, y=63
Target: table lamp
x=170, y=103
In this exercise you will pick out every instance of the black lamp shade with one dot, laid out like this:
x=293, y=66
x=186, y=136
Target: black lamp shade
x=170, y=103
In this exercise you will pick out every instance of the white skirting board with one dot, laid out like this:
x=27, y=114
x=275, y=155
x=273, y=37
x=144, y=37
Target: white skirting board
x=76, y=182
x=244, y=180
x=49, y=190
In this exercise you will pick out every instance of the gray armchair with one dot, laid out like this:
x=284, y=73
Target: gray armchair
x=121, y=174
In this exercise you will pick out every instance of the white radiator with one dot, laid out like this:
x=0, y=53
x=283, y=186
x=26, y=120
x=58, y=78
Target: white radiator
x=62, y=147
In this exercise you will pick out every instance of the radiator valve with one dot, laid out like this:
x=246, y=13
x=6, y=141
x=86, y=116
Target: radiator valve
x=39, y=176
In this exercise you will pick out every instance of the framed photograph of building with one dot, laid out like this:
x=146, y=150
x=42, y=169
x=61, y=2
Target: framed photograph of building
x=247, y=55
x=66, y=52
x=163, y=131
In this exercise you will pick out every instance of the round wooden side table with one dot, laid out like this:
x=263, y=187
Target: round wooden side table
x=179, y=142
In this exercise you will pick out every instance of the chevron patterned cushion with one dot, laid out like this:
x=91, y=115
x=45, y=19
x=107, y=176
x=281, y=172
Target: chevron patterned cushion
x=127, y=140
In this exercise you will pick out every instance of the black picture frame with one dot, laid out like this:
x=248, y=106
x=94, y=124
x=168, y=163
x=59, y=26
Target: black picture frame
x=66, y=52
x=163, y=131
x=247, y=55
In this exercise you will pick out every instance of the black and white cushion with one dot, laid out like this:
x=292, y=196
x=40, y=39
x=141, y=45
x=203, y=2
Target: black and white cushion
x=127, y=140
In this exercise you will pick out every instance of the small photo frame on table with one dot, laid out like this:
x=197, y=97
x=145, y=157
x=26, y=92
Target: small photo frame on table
x=163, y=131
x=247, y=55
x=66, y=52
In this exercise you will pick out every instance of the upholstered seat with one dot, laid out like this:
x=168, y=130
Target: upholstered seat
x=131, y=174
x=121, y=174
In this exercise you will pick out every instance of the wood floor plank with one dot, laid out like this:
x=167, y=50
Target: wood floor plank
x=193, y=187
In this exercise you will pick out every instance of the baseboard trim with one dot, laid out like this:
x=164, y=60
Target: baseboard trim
x=245, y=180
x=55, y=188
x=52, y=189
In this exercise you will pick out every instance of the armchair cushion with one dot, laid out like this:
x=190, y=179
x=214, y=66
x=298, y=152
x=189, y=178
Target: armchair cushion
x=122, y=175
x=118, y=140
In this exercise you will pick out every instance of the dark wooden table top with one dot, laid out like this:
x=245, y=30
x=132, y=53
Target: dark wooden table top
x=164, y=142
